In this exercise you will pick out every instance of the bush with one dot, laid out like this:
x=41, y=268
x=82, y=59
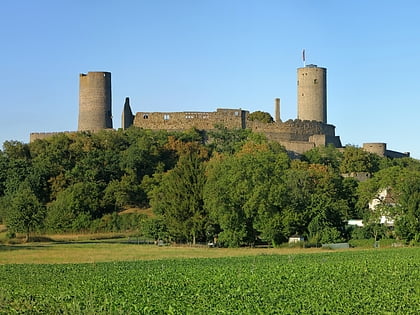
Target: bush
x=10, y=235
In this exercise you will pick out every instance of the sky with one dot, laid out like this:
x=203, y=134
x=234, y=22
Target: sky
x=189, y=55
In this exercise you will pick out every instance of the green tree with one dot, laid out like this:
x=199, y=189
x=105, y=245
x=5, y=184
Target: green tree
x=328, y=155
x=242, y=193
x=358, y=160
x=74, y=208
x=227, y=141
x=26, y=213
x=260, y=116
x=401, y=203
x=179, y=197
x=407, y=209
x=314, y=192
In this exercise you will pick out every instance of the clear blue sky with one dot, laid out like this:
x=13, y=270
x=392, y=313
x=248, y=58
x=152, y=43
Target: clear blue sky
x=182, y=55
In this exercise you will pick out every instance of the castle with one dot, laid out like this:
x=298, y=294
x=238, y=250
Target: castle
x=308, y=131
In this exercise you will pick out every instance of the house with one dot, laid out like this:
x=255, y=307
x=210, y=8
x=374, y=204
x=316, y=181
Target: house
x=296, y=239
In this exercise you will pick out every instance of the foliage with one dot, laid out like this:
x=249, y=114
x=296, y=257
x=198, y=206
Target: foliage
x=358, y=282
x=260, y=116
x=74, y=208
x=328, y=155
x=114, y=222
x=402, y=202
x=242, y=191
x=227, y=141
x=233, y=185
x=357, y=160
x=179, y=196
x=26, y=213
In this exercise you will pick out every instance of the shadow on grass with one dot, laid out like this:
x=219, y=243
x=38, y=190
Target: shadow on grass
x=7, y=248
x=45, y=242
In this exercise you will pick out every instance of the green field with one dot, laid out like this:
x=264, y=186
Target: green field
x=385, y=281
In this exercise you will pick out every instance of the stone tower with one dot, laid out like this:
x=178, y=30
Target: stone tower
x=95, y=101
x=312, y=93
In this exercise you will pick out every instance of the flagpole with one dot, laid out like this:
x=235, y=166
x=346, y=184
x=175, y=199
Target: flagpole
x=303, y=58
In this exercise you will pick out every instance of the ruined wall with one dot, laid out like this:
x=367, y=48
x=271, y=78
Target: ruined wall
x=44, y=135
x=296, y=135
x=95, y=101
x=292, y=130
x=380, y=149
x=230, y=118
x=127, y=117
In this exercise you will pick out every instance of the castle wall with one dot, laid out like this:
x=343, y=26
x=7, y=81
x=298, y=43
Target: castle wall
x=377, y=148
x=292, y=130
x=312, y=93
x=95, y=101
x=380, y=149
x=44, y=135
x=297, y=146
x=230, y=118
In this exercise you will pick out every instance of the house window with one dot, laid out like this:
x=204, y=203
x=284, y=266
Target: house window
x=315, y=81
x=166, y=117
x=145, y=116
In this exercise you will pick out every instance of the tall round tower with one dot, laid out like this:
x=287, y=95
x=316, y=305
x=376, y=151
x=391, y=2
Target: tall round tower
x=312, y=93
x=95, y=101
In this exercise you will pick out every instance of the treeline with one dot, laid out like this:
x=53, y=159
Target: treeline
x=233, y=185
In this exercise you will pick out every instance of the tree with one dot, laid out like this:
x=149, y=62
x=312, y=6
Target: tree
x=314, y=195
x=243, y=191
x=227, y=141
x=179, y=197
x=407, y=209
x=402, y=201
x=74, y=208
x=328, y=155
x=358, y=160
x=26, y=214
x=260, y=116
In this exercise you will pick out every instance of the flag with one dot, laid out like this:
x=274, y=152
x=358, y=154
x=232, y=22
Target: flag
x=303, y=55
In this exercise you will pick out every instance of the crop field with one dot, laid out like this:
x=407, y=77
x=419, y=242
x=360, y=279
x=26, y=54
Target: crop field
x=347, y=282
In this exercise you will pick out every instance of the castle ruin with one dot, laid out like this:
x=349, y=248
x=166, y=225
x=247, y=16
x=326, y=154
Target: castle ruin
x=297, y=136
x=308, y=131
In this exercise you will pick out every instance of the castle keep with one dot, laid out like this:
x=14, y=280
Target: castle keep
x=309, y=130
x=95, y=102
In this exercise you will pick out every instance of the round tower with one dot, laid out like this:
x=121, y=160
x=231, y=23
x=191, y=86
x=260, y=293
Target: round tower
x=95, y=101
x=378, y=148
x=312, y=93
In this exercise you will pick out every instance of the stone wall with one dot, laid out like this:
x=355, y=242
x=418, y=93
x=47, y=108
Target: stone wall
x=380, y=149
x=296, y=135
x=230, y=118
x=43, y=135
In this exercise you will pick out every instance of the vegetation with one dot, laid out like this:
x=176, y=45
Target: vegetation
x=362, y=282
x=233, y=186
x=261, y=116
